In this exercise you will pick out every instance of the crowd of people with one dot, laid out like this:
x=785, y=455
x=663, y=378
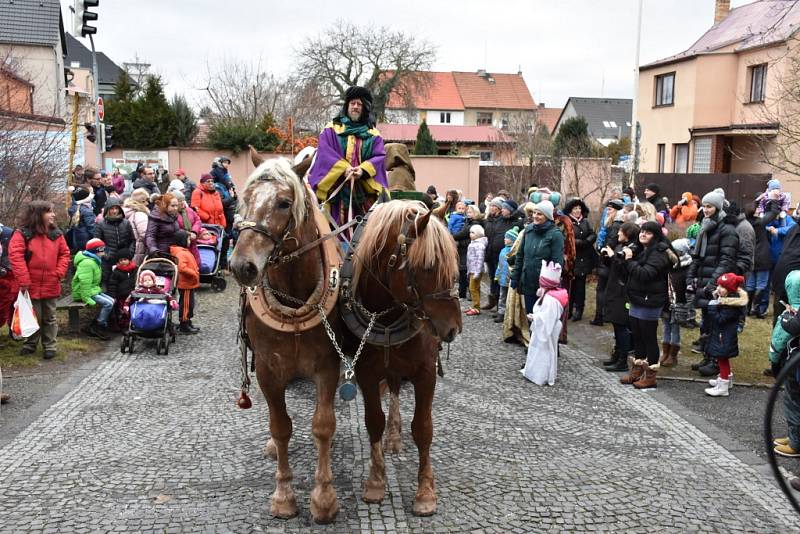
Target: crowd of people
x=115, y=223
x=701, y=262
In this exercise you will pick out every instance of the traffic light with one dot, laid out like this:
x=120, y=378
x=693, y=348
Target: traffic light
x=83, y=17
x=107, y=136
x=91, y=133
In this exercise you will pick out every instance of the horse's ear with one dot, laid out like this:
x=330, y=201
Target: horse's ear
x=422, y=223
x=257, y=158
x=302, y=168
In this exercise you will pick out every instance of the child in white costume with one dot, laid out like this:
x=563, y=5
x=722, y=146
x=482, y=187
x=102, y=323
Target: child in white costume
x=540, y=367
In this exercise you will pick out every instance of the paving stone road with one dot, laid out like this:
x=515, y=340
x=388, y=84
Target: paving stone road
x=150, y=443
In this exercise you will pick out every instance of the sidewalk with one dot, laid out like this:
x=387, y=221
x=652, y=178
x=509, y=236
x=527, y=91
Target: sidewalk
x=156, y=443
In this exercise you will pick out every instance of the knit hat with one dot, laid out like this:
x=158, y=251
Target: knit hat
x=512, y=234
x=654, y=188
x=124, y=253
x=147, y=274
x=477, y=229
x=693, y=230
x=715, y=199
x=206, y=178
x=546, y=207
x=550, y=275
x=180, y=172
x=773, y=184
x=497, y=202
x=615, y=203
x=95, y=245
x=681, y=246
x=510, y=205
x=730, y=281
x=176, y=185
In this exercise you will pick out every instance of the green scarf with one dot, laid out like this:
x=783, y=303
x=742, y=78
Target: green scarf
x=187, y=224
x=360, y=130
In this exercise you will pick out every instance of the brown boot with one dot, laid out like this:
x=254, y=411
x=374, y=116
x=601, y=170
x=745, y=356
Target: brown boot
x=665, y=352
x=491, y=302
x=648, y=380
x=637, y=370
x=670, y=356
x=675, y=350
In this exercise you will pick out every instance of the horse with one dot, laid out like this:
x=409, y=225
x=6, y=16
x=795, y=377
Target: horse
x=286, y=267
x=404, y=268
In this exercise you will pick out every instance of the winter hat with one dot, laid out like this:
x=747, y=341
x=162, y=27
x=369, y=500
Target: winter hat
x=615, y=203
x=693, y=230
x=180, y=172
x=512, y=234
x=431, y=190
x=206, y=178
x=715, y=199
x=629, y=191
x=681, y=246
x=477, y=229
x=147, y=274
x=80, y=193
x=176, y=185
x=510, y=205
x=95, y=245
x=654, y=188
x=546, y=207
x=687, y=196
x=730, y=281
x=498, y=202
x=721, y=191
x=550, y=275
x=773, y=184
x=124, y=254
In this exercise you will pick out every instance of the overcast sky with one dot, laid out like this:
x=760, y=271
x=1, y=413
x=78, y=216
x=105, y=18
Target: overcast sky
x=564, y=47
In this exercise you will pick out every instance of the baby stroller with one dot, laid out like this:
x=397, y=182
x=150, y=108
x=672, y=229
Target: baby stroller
x=151, y=315
x=210, y=272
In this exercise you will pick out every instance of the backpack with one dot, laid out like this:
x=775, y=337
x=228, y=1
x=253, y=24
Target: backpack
x=5, y=239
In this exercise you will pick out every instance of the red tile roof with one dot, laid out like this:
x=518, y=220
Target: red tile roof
x=441, y=93
x=494, y=91
x=402, y=133
x=461, y=90
x=548, y=117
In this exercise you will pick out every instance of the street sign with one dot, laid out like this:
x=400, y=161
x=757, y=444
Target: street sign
x=101, y=112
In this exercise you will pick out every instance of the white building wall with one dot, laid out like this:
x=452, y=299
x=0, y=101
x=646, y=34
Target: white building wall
x=44, y=67
x=435, y=117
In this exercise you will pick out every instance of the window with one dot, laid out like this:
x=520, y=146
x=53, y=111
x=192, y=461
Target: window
x=607, y=124
x=702, y=155
x=681, y=158
x=662, y=157
x=444, y=117
x=758, y=82
x=485, y=155
x=504, y=121
x=484, y=119
x=665, y=89
x=612, y=124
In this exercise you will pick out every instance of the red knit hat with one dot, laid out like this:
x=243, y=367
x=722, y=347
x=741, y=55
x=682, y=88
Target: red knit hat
x=731, y=282
x=94, y=244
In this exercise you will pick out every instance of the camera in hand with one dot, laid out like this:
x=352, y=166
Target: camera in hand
x=633, y=247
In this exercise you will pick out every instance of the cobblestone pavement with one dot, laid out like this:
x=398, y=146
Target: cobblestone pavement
x=151, y=443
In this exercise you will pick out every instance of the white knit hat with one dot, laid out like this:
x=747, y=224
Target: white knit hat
x=477, y=229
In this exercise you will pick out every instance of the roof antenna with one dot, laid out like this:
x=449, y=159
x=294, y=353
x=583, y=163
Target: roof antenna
x=603, y=84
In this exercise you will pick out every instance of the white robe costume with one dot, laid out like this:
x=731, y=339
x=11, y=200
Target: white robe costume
x=540, y=367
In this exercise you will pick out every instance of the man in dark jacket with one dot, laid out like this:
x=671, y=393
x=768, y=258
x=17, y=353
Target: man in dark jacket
x=94, y=178
x=117, y=233
x=147, y=181
x=496, y=227
x=715, y=254
x=652, y=194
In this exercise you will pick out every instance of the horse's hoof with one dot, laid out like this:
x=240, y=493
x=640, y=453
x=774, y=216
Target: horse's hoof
x=374, y=492
x=324, y=505
x=424, y=507
x=393, y=445
x=283, y=508
x=271, y=450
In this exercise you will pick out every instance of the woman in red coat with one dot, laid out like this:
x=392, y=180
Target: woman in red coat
x=39, y=257
x=207, y=202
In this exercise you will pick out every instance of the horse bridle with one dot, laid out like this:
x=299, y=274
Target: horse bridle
x=260, y=228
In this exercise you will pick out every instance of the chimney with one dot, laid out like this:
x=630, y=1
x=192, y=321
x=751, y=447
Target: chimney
x=723, y=7
x=541, y=105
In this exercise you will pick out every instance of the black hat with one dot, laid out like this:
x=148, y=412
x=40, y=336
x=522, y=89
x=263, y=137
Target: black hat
x=654, y=188
x=80, y=193
x=182, y=238
x=124, y=253
x=431, y=190
x=615, y=203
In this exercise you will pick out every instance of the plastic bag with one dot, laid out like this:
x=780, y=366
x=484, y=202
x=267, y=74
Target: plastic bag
x=24, y=323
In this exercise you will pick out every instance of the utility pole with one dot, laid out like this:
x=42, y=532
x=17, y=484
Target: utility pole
x=96, y=97
x=636, y=131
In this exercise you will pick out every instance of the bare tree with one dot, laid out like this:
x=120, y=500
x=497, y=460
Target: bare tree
x=383, y=60
x=527, y=147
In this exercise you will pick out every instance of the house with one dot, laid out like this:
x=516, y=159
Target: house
x=32, y=47
x=548, y=117
x=713, y=108
x=609, y=119
x=491, y=144
x=464, y=99
x=79, y=61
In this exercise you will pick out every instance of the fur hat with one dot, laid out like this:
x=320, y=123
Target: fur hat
x=730, y=281
x=773, y=184
x=570, y=205
x=95, y=245
x=477, y=229
x=147, y=274
x=715, y=198
x=512, y=234
x=546, y=207
x=550, y=275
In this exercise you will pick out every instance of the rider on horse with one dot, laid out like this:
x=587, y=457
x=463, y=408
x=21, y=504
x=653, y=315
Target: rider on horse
x=349, y=175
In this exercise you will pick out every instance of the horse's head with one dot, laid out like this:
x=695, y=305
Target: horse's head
x=274, y=204
x=419, y=261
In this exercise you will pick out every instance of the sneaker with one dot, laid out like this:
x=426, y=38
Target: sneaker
x=780, y=441
x=787, y=451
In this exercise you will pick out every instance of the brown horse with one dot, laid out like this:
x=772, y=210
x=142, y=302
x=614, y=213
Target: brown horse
x=405, y=266
x=282, y=318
